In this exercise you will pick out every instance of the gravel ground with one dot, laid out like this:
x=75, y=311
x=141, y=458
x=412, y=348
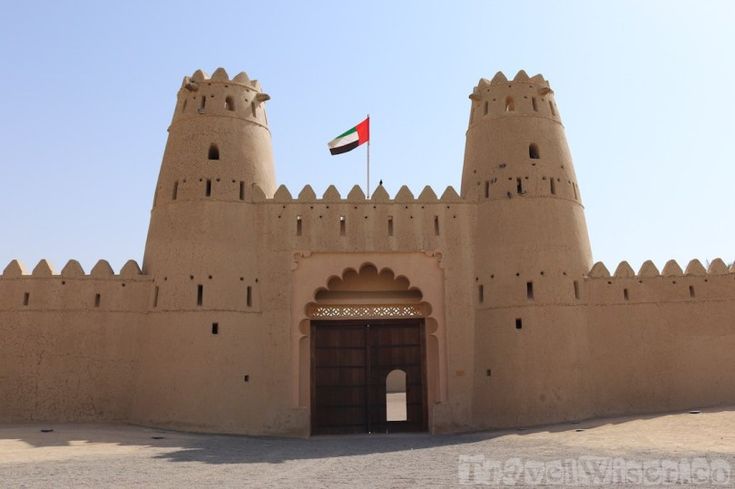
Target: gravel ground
x=688, y=449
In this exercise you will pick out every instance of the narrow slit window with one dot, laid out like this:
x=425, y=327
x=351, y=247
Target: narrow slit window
x=183, y=107
x=533, y=151
x=534, y=104
x=215, y=328
x=342, y=225
x=208, y=188
x=551, y=106
x=487, y=189
x=519, y=323
x=691, y=291
x=176, y=190
x=481, y=293
x=298, y=226
x=97, y=299
x=200, y=294
x=552, y=185
x=26, y=298
x=436, y=225
x=202, y=102
x=510, y=105
x=486, y=106
x=576, y=289
x=574, y=188
x=390, y=225
x=519, y=185
x=529, y=291
x=249, y=296
x=242, y=190
x=229, y=103
x=625, y=294
x=252, y=109
x=213, y=152
x=155, y=296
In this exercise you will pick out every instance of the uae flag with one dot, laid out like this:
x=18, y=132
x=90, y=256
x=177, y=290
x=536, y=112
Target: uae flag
x=351, y=139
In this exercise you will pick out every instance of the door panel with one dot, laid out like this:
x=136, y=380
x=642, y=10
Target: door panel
x=350, y=363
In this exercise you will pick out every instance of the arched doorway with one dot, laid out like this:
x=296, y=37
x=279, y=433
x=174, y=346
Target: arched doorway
x=366, y=325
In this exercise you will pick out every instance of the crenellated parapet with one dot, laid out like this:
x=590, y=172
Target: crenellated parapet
x=523, y=95
x=651, y=285
x=72, y=289
x=239, y=97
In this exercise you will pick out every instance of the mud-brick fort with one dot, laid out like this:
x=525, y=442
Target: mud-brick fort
x=259, y=311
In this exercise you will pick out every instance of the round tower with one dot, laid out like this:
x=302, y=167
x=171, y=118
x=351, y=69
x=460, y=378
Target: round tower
x=203, y=350
x=531, y=251
x=219, y=145
x=519, y=167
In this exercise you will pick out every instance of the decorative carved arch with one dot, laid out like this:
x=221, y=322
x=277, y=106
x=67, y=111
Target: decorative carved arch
x=419, y=279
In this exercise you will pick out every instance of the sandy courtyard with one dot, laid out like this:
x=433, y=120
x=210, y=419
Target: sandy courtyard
x=689, y=449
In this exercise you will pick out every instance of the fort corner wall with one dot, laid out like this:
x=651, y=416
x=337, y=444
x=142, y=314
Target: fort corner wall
x=70, y=341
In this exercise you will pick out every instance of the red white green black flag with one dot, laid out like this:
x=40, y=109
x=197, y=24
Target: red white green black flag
x=351, y=139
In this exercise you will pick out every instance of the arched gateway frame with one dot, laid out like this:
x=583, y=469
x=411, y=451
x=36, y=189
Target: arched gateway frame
x=356, y=315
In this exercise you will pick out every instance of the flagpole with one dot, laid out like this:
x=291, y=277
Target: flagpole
x=368, y=159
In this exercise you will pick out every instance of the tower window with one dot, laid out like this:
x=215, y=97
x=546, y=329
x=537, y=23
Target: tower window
x=534, y=104
x=298, y=226
x=533, y=151
x=486, y=106
x=519, y=185
x=574, y=188
x=208, y=189
x=551, y=106
x=176, y=190
x=200, y=294
x=576, y=289
x=26, y=298
x=529, y=291
x=625, y=294
x=213, y=152
x=97, y=299
x=249, y=296
x=691, y=291
x=229, y=103
x=481, y=293
x=519, y=323
x=252, y=109
x=342, y=225
x=510, y=105
x=155, y=296
x=436, y=225
x=552, y=186
x=215, y=328
x=390, y=225
x=242, y=190
x=183, y=107
x=487, y=189
x=202, y=102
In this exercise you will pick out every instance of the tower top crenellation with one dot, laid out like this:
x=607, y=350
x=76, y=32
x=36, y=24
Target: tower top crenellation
x=537, y=83
x=219, y=76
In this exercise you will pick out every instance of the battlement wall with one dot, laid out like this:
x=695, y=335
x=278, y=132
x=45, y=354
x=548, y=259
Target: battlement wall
x=671, y=284
x=69, y=341
x=74, y=290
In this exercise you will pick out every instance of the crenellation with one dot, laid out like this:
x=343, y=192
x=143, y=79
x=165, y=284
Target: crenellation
x=696, y=268
x=43, y=269
x=672, y=269
x=14, y=269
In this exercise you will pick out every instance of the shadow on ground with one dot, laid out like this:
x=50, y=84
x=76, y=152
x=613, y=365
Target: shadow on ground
x=233, y=449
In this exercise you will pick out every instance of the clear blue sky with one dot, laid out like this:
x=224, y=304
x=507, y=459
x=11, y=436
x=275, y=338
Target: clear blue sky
x=643, y=87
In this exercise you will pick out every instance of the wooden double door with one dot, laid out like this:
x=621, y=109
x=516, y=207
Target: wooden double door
x=350, y=362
